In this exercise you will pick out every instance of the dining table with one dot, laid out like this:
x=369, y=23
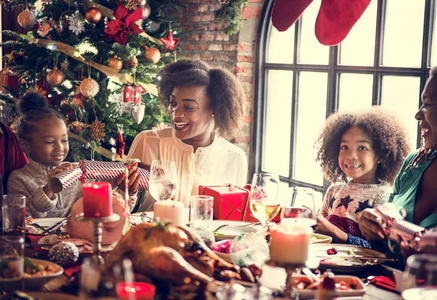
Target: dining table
x=272, y=277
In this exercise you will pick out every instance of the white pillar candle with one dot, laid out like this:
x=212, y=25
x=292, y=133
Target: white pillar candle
x=169, y=210
x=289, y=244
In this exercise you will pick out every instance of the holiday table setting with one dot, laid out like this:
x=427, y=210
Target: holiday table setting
x=147, y=243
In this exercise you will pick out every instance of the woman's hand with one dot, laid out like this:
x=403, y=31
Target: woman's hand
x=48, y=189
x=134, y=179
x=325, y=227
x=370, y=225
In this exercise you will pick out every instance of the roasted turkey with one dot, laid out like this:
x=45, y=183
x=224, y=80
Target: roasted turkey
x=173, y=254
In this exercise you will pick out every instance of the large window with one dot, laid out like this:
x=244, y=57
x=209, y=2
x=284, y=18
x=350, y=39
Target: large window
x=384, y=60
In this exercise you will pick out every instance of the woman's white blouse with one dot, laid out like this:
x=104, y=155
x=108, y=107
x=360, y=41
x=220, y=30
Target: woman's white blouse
x=217, y=164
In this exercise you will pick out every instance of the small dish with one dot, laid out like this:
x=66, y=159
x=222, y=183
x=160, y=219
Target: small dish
x=359, y=289
x=233, y=229
x=318, y=238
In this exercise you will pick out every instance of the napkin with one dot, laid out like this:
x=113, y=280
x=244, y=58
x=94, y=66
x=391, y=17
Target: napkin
x=385, y=282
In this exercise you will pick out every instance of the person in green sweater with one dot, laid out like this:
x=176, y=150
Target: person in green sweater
x=415, y=188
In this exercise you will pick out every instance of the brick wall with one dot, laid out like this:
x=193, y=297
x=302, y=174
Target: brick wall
x=204, y=39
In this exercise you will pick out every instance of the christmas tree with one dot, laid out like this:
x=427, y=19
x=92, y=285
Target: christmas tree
x=96, y=62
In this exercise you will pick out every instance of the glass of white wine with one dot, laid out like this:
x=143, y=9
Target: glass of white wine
x=264, y=203
x=162, y=184
x=420, y=277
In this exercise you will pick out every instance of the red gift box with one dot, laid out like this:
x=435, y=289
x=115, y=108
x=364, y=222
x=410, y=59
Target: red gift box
x=230, y=202
x=132, y=93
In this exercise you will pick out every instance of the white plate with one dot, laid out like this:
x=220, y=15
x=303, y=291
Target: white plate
x=358, y=291
x=343, y=260
x=44, y=223
x=233, y=229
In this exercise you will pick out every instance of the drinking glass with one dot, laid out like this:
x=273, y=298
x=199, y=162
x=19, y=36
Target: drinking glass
x=301, y=208
x=264, y=203
x=162, y=184
x=14, y=214
x=420, y=277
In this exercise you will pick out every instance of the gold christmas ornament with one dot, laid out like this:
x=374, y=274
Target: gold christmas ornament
x=152, y=54
x=55, y=77
x=89, y=87
x=93, y=15
x=97, y=130
x=26, y=19
x=115, y=63
x=131, y=63
x=76, y=127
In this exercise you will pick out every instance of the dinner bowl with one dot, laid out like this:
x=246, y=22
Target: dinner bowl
x=33, y=282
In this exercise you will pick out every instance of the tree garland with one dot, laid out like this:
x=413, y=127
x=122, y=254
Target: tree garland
x=230, y=14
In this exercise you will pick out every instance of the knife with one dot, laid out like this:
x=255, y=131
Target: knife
x=56, y=226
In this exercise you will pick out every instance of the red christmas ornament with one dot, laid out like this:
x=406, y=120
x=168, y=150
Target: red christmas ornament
x=170, y=42
x=123, y=25
x=121, y=144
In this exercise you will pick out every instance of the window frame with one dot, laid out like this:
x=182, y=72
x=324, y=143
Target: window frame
x=333, y=70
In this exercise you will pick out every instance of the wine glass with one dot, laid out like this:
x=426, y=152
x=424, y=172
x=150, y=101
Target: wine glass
x=420, y=277
x=263, y=197
x=162, y=184
x=290, y=242
x=301, y=208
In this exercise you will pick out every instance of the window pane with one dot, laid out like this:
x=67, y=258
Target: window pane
x=358, y=47
x=355, y=91
x=401, y=94
x=310, y=118
x=276, y=157
x=433, y=59
x=311, y=51
x=403, y=29
x=280, y=48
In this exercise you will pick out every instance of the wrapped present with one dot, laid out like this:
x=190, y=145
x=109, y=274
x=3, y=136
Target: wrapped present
x=87, y=169
x=230, y=202
x=132, y=93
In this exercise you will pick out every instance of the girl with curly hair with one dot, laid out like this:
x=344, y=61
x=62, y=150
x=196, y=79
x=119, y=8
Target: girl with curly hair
x=360, y=154
x=206, y=106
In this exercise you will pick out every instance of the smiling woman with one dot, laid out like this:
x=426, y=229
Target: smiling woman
x=206, y=106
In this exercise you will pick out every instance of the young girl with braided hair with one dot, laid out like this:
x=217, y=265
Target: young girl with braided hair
x=43, y=137
x=360, y=154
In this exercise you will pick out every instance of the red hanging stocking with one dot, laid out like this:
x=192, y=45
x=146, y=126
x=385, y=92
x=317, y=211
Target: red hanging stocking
x=286, y=12
x=336, y=18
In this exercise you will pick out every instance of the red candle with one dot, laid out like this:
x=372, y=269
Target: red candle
x=97, y=199
x=135, y=290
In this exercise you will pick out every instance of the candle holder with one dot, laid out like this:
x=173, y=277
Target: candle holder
x=290, y=269
x=97, y=233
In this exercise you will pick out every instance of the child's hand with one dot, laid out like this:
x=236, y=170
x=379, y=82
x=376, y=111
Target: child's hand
x=134, y=179
x=48, y=189
x=370, y=225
